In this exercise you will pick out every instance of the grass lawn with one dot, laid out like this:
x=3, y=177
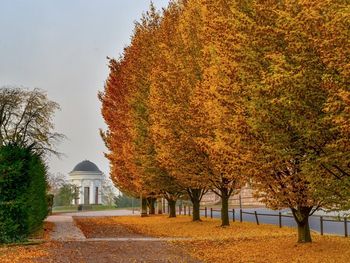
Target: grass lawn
x=241, y=242
x=74, y=208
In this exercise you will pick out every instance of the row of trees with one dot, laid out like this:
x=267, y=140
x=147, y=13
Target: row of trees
x=26, y=136
x=212, y=94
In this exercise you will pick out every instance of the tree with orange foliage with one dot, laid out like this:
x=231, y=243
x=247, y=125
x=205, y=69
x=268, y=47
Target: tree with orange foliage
x=174, y=78
x=115, y=111
x=218, y=104
x=129, y=85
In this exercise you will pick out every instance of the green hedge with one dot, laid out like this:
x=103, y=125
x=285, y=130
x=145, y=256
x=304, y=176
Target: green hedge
x=13, y=221
x=23, y=202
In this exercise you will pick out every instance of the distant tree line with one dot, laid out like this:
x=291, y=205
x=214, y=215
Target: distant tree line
x=123, y=200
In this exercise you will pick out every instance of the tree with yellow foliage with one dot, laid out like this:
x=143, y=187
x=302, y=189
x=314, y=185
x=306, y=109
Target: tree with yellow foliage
x=219, y=109
x=174, y=78
x=287, y=107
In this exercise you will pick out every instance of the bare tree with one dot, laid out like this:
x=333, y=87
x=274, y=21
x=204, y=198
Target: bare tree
x=26, y=119
x=56, y=181
x=109, y=191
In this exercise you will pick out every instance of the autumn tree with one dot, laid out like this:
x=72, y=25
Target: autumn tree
x=174, y=78
x=218, y=104
x=118, y=139
x=132, y=77
x=287, y=107
x=326, y=24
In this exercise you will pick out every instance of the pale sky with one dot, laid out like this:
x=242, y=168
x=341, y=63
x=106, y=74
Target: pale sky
x=61, y=46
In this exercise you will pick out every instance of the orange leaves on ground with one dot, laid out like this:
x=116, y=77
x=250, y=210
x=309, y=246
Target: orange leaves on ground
x=102, y=227
x=271, y=249
x=28, y=253
x=22, y=254
x=208, y=229
x=241, y=242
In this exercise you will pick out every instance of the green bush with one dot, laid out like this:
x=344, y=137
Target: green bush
x=23, y=203
x=36, y=196
x=13, y=221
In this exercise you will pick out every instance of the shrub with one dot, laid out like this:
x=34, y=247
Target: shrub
x=36, y=195
x=23, y=203
x=13, y=221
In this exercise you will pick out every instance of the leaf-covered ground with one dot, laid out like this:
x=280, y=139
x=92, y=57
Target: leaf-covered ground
x=30, y=251
x=241, y=242
x=92, y=251
x=93, y=228
x=208, y=242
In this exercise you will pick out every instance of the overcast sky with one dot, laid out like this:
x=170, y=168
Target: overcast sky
x=61, y=46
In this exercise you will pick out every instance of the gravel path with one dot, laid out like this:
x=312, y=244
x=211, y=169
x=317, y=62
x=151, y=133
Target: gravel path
x=65, y=229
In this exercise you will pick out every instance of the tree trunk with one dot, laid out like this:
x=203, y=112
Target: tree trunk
x=143, y=207
x=172, y=206
x=151, y=205
x=159, y=206
x=304, y=235
x=225, y=221
x=301, y=216
x=196, y=196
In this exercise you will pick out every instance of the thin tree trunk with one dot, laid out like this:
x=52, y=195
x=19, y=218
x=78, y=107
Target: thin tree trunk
x=143, y=207
x=225, y=221
x=151, y=205
x=172, y=207
x=159, y=206
x=301, y=216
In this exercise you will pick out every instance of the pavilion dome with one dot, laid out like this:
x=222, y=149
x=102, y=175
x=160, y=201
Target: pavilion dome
x=86, y=166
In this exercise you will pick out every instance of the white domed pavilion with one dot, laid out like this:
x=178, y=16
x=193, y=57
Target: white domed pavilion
x=87, y=177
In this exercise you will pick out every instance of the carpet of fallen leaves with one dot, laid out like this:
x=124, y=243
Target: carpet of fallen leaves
x=27, y=252
x=94, y=228
x=241, y=242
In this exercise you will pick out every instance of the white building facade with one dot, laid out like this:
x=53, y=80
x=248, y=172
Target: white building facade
x=87, y=178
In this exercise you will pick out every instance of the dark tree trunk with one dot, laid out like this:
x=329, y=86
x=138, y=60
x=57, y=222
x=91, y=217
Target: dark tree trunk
x=304, y=235
x=301, y=216
x=225, y=221
x=196, y=210
x=151, y=205
x=159, y=206
x=196, y=196
x=143, y=207
x=172, y=208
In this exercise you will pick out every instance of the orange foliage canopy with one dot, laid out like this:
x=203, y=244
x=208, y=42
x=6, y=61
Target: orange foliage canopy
x=211, y=94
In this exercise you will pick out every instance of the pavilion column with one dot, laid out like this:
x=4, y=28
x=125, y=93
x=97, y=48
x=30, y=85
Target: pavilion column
x=92, y=193
x=81, y=193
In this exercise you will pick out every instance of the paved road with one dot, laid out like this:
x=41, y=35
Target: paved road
x=335, y=227
x=102, y=213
